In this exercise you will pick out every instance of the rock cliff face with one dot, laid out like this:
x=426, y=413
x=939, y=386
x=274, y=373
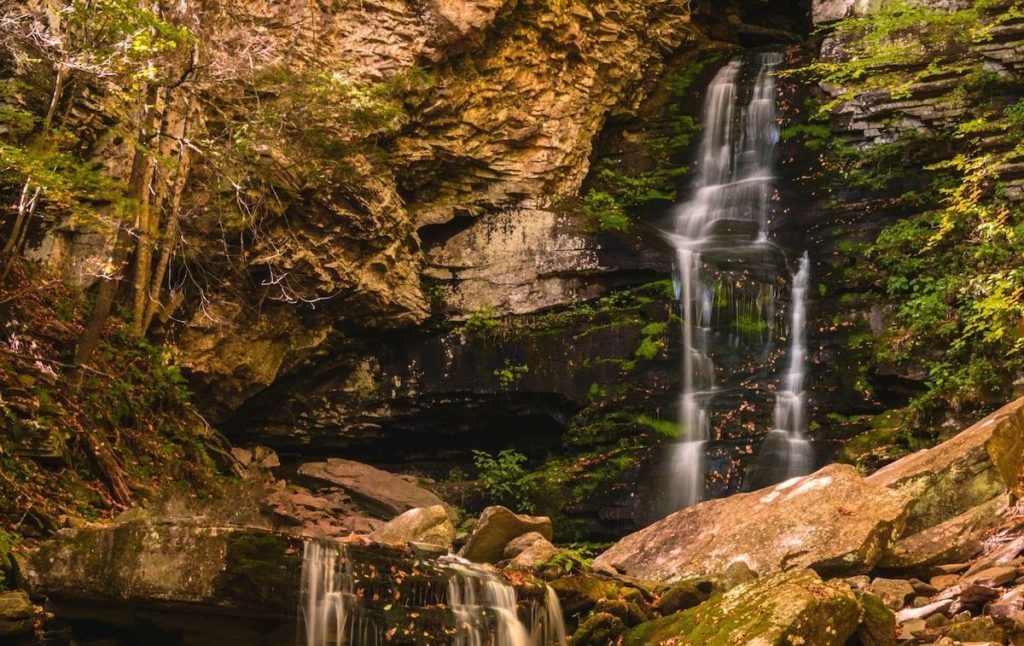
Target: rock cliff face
x=427, y=264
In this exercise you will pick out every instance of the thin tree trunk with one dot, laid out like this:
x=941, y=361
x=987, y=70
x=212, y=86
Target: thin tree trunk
x=173, y=218
x=148, y=221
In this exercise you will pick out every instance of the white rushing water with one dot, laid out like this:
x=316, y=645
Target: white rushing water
x=328, y=599
x=484, y=606
x=725, y=217
x=786, y=446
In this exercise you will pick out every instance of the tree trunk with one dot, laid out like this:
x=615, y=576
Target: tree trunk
x=138, y=187
x=173, y=217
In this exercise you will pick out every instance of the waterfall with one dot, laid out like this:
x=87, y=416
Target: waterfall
x=484, y=608
x=724, y=219
x=329, y=609
x=785, y=452
x=474, y=593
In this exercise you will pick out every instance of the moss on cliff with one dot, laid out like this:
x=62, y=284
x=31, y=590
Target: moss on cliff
x=926, y=126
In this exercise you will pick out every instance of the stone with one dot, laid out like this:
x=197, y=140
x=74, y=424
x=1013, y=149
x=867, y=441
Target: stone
x=823, y=11
x=975, y=594
x=537, y=554
x=793, y=607
x=979, y=629
x=579, y=593
x=520, y=544
x=893, y=592
x=16, y=614
x=943, y=581
x=630, y=613
x=382, y=493
x=922, y=588
x=496, y=528
x=878, y=626
x=911, y=628
x=810, y=522
x=430, y=525
x=995, y=576
x=203, y=584
x=683, y=596
x=598, y=628
x=736, y=573
x=955, y=539
x=936, y=621
x=977, y=465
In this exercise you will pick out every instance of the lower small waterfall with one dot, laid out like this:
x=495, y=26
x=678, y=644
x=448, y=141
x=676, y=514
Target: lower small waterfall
x=475, y=594
x=468, y=604
x=330, y=613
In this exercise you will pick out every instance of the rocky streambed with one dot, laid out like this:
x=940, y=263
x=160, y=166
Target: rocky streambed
x=925, y=551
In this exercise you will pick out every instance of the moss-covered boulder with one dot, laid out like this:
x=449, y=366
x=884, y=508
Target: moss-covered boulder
x=952, y=541
x=581, y=592
x=15, y=614
x=794, y=607
x=974, y=467
x=683, y=596
x=831, y=521
x=599, y=628
x=155, y=562
x=878, y=626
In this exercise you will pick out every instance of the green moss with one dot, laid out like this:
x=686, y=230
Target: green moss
x=791, y=608
x=262, y=568
x=663, y=427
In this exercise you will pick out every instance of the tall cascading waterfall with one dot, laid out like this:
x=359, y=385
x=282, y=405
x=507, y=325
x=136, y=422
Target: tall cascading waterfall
x=484, y=609
x=719, y=234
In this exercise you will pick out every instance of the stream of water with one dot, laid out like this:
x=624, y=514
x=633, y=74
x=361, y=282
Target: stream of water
x=484, y=609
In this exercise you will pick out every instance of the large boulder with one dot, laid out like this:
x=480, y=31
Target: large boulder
x=429, y=525
x=496, y=528
x=794, y=607
x=379, y=491
x=952, y=541
x=974, y=467
x=832, y=521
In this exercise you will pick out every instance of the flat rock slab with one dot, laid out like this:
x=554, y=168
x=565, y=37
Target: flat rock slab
x=382, y=493
x=496, y=528
x=162, y=562
x=794, y=607
x=974, y=467
x=832, y=521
